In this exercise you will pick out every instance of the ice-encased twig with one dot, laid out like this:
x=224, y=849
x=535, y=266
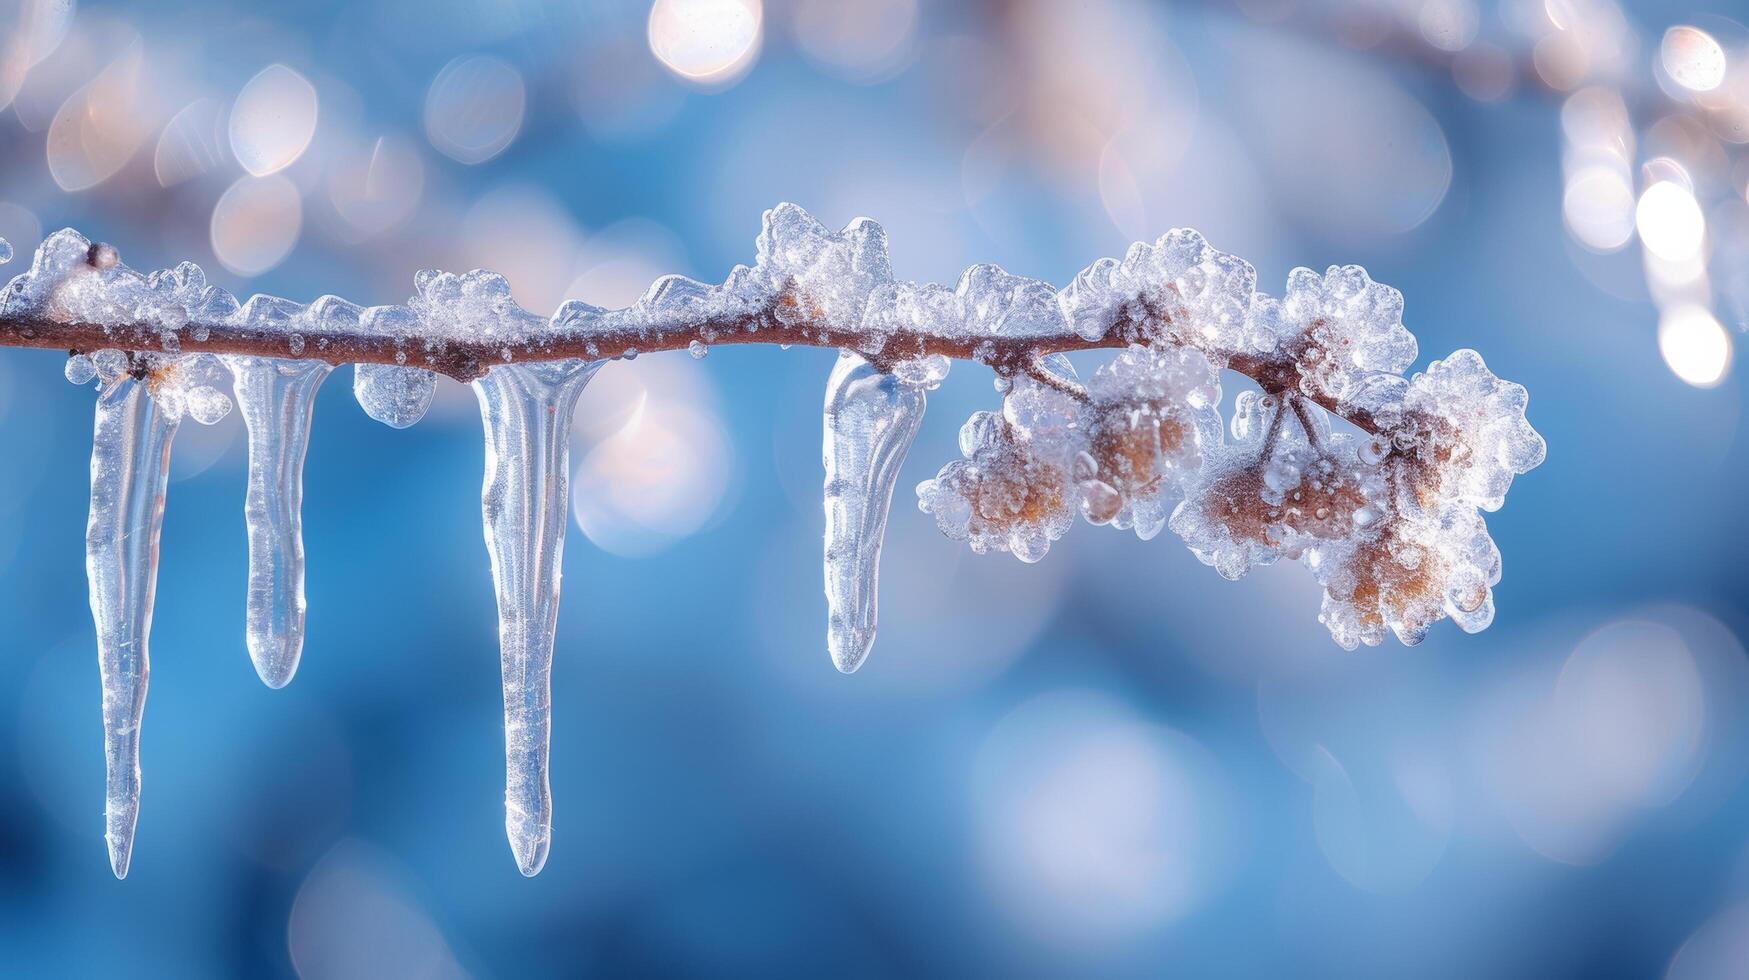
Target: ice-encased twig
x=276, y=399
x=130, y=459
x=527, y=409
x=871, y=420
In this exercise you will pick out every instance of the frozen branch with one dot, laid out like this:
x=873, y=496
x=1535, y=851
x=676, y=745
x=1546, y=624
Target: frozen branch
x=1388, y=520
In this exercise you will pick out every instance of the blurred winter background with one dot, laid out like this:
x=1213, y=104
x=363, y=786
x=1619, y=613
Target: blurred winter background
x=1112, y=763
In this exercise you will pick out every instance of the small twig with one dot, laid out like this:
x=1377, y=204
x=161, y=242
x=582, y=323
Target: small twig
x=1304, y=414
x=1035, y=368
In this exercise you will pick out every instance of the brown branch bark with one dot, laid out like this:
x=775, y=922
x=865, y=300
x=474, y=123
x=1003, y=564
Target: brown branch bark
x=785, y=321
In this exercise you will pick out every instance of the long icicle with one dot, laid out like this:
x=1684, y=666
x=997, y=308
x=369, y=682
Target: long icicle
x=871, y=420
x=276, y=399
x=130, y=459
x=527, y=410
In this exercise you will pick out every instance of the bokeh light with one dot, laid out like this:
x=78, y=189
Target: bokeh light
x=861, y=42
x=272, y=120
x=1092, y=824
x=474, y=108
x=1695, y=347
x=1670, y=221
x=664, y=471
x=1693, y=58
x=710, y=43
x=255, y=224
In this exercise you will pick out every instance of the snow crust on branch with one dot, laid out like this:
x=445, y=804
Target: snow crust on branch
x=1384, y=508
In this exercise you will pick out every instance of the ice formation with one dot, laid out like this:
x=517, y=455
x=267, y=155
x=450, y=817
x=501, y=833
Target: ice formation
x=130, y=461
x=527, y=410
x=1386, y=513
x=871, y=419
x=5, y=251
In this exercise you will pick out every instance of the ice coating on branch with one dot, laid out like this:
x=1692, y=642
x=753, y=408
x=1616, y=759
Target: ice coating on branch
x=526, y=409
x=130, y=459
x=276, y=399
x=871, y=420
x=1178, y=288
x=1465, y=431
x=997, y=303
x=1014, y=489
x=1343, y=327
x=821, y=276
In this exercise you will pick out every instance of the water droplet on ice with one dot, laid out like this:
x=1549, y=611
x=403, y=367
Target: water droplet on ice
x=79, y=369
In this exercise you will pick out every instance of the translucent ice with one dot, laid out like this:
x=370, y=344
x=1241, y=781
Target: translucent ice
x=5, y=251
x=826, y=276
x=1178, y=287
x=130, y=459
x=276, y=399
x=1014, y=489
x=1463, y=430
x=871, y=420
x=527, y=409
x=393, y=394
x=1349, y=326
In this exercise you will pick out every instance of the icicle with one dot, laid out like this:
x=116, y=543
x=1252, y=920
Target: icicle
x=276, y=398
x=130, y=458
x=871, y=420
x=527, y=413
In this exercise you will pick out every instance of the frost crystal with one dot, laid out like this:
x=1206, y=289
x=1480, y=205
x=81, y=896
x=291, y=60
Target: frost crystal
x=526, y=409
x=1350, y=327
x=1178, y=288
x=871, y=421
x=821, y=277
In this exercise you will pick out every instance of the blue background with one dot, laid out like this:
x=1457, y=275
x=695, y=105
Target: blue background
x=1112, y=763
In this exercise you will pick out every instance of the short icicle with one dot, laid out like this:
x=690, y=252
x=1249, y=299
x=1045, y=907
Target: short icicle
x=130, y=458
x=527, y=410
x=276, y=398
x=871, y=420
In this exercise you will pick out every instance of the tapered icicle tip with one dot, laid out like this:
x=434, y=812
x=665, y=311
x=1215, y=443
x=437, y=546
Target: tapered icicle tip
x=849, y=645
x=530, y=845
x=119, y=834
x=276, y=661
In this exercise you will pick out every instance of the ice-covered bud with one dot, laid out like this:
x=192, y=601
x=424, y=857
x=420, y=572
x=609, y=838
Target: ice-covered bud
x=1341, y=327
x=997, y=303
x=1406, y=578
x=1223, y=518
x=1015, y=490
x=1152, y=412
x=1202, y=293
x=1277, y=489
x=818, y=276
x=1457, y=437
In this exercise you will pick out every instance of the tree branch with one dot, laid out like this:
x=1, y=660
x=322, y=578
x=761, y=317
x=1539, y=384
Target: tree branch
x=785, y=320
